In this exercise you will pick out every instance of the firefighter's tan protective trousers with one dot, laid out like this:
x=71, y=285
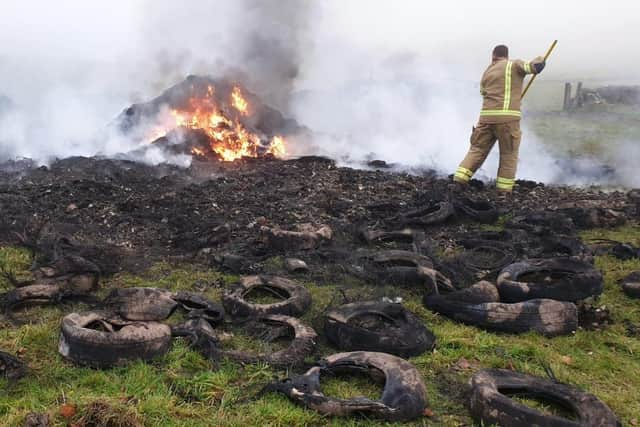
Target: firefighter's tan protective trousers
x=483, y=138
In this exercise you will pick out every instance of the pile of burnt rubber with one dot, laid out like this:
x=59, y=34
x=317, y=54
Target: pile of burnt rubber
x=533, y=295
x=132, y=324
x=67, y=277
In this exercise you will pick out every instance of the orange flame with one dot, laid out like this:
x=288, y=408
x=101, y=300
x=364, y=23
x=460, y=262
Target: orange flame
x=238, y=101
x=228, y=137
x=197, y=151
x=277, y=147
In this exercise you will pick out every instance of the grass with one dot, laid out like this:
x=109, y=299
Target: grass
x=184, y=389
x=599, y=133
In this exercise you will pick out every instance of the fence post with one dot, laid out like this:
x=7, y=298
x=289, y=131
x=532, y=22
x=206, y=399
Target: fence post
x=567, y=97
x=578, y=99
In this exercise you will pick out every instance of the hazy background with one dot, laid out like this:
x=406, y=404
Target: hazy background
x=392, y=80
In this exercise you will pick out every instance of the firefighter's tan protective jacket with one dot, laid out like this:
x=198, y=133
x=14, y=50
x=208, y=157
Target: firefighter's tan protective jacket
x=501, y=89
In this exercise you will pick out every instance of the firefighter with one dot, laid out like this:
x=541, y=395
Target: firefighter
x=500, y=87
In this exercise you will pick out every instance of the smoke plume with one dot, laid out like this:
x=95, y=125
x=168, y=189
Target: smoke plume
x=372, y=79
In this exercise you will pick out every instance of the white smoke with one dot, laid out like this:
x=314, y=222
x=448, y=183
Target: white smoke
x=373, y=79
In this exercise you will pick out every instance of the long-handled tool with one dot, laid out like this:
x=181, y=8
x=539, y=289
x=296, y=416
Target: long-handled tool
x=553, y=45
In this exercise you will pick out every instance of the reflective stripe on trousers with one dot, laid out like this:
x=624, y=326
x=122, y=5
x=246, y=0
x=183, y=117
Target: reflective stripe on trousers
x=463, y=174
x=505, y=183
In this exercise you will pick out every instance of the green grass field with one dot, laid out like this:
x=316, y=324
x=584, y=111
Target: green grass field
x=601, y=131
x=184, y=389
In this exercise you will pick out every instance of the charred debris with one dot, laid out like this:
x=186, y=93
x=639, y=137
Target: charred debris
x=506, y=264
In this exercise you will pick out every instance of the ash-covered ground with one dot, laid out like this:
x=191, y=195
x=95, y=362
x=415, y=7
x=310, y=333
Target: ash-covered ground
x=130, y=215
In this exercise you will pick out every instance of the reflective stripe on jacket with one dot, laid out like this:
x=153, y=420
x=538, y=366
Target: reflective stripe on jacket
x=501, y=87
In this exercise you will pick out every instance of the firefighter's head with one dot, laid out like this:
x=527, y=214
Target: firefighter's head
x=500, y=52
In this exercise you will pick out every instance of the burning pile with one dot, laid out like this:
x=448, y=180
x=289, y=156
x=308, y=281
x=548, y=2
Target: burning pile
x=210, y=119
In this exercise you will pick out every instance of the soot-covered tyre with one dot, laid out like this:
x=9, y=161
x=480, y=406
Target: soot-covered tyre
x=405, y=235
x=11, y=367
x=488, y=258
x=631, y=284
x=378, y=326
x=296, y=299
x=30, y=294
x=490, y=404
x=481, y=292
x=147, y=304
x=197, y=306
x=404, y=397
x=398, y=258
x=100, y=339
x=542, y=223
x=404, y=268
x=562, y=279
x=143, y=304
x=302, y=345
x=434, y=213
x=482, y=211
x=477, y=307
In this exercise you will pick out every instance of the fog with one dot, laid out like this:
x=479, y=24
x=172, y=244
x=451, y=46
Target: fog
x=392, y=80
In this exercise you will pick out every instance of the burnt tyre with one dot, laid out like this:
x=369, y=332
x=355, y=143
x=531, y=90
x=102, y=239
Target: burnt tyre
x=404, y=397
x=295, y=299
x=562, y=279
x=197, y=306
x=378, y=326
x=67, y=277
x=268, y=328
x=543, y=223
x=479, y=307
x=404, y=268
x=144, y=304
x=482, y=211
x=149, y=304
x=488, y=258
x=434, y=213
x=558, y=245
x=100, y=339
x=490, y=403
x=481, y=292
x=11, y=367
x=31, y=294
x=398, y=258
x=405, y=235
x=631, y=284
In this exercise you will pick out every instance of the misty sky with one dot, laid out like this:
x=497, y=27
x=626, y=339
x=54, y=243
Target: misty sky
x=115, y=40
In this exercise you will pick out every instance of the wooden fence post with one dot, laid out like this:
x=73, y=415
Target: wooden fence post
x=566, y=105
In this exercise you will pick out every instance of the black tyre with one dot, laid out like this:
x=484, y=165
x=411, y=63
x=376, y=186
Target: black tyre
x=545, y=316
x=302, y=345
x=490, y=404
x=631, y=284
x=100, y=339
x=482, y=211
x=543, y=223
x=296, y=299
x=11, y=367
x=145, y=304
x=157, y=304
x=562, y=279
x=378, y=326
x=434, y=213
x=403, y=398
